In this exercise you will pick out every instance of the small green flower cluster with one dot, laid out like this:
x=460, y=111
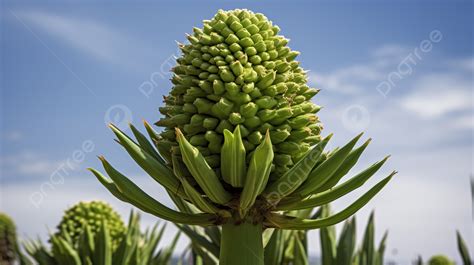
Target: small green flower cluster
x=93, y=214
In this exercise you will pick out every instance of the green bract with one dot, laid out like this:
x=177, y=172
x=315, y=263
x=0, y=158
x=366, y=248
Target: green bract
x=93, y=214
x=241, y=147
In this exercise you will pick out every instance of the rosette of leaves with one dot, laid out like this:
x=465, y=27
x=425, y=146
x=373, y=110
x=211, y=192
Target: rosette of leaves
x=241, y=144
x=93, y=214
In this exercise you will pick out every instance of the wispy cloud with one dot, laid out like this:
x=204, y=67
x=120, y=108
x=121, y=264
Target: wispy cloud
x=349, y=80
x=31, y=164
x=390, y=50
x=91, y=37
x=466, y=64
x=436, y=95
x=362, y=77
x=430, y=93
x=424, y=124
x=465, y=121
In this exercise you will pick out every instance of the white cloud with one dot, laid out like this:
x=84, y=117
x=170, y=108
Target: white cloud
x=466, y=64
x=91, y=37
x=441, y=92
x=350, y=80
x=436, y=95
x=362, y=77
x=88, y=36
x=390, y=50
x=465, y=122
x=32, y=164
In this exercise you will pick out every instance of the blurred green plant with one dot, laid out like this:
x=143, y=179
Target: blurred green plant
x=344, y=252
x=8, y=240
x=10, y=251
x=440, y=260
x=95, y=245
x=418, y=260
x=92, y=213
x=444, y=260
x=463, y=250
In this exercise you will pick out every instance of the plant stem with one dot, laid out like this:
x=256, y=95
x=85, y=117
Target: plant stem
x=241, y=244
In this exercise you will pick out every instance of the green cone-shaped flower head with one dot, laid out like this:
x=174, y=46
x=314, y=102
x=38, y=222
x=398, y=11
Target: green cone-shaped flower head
x=8, y=240
x=93, y=214
x=238, y=71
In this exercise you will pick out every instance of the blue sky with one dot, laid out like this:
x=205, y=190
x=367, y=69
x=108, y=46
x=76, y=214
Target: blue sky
x=401, y=71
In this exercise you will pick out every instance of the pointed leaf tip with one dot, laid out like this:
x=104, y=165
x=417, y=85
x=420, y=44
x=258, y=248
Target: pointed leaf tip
x=146, y=123
x=327, y=138
x=267, y=135
x=237, y=129
x=367, y=142
x=178, y=132
x=113, y=126
x=227, y=133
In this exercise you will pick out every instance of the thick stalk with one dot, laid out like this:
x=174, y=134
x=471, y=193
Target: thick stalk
x=241, y=244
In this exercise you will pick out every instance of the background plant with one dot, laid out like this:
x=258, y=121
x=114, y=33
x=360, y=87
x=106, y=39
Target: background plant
x=93, y=214
x=463, y=250
x=95, y=243
x=343, y=251
x=8, y=240
x=241, y=147
x=440, y=260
